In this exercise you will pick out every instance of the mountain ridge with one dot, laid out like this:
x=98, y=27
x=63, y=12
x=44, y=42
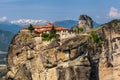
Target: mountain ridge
x=7, y=26
x=71, y=23
x=5, y=38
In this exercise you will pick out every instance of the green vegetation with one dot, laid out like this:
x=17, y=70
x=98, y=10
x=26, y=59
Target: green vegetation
x=45, y=37
x=80, y=30
x=95, y=37
x=53, y=31
x=31, y=28
x=50, y=36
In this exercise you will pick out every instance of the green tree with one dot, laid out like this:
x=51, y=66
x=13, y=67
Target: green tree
x=80, y=30
x=95, y=37
x=53, y=31
x=31, y=28
x=51, y=35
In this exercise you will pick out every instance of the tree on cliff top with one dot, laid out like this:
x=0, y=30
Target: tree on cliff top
x=53, y=32
x=31, y=28
x=51, y=35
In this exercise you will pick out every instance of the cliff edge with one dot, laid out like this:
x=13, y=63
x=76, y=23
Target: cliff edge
x=93, y=55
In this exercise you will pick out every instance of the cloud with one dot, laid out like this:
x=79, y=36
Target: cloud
x=28, y=21
x=97, y=16
x=114, y=13
x=3, y=19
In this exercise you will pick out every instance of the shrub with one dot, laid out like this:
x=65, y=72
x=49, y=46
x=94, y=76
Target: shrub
x=95, y=37
x=45, y=35
x=46, y=39
x=80, y=29
x=53, y=36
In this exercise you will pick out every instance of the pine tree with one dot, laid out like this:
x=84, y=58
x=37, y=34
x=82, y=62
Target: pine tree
x=53, y=31
x=31, y=28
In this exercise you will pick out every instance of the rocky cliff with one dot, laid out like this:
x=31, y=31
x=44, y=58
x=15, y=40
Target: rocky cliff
x=84, y=22
x=91, y=56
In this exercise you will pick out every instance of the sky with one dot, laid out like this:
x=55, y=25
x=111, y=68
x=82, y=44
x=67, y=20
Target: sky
x=101, y=11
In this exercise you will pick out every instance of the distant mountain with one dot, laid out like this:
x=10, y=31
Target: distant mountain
x=6, y=26
x=2, y=52
x=95, y=24
x=3, y=58
x=71, y=23
x=5, y=38
x=66, y=23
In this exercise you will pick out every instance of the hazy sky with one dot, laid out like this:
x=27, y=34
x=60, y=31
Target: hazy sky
x=55, y=10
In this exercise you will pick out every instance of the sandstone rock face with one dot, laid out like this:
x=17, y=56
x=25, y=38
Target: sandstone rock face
x=75, y=58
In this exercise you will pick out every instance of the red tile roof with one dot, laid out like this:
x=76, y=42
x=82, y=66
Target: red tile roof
x=60, y=29
x=47, y=27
